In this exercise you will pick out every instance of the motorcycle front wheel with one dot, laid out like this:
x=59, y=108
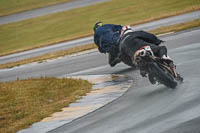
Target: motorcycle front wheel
x=163, y=75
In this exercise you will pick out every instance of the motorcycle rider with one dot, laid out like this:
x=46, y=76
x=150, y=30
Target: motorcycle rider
x=108, y=37
x=130, y=42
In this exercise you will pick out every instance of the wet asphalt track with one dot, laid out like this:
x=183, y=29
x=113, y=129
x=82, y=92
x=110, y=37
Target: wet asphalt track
x=147, y=108
x=144, y=108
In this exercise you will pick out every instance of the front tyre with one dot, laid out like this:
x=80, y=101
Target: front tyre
x=163, y=76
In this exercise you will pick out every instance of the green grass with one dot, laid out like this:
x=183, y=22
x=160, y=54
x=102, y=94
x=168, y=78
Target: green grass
x=14, y=6
x=71, y=24
x=165, y=29
x=24, y=102
x=177, y=27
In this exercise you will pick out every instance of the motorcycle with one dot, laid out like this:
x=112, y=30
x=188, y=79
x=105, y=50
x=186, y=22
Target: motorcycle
x=159, y=70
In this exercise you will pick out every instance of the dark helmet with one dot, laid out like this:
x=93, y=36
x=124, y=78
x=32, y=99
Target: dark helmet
x=97, y=25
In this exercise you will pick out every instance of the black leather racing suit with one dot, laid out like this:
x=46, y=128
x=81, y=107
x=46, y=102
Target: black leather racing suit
x=132, y=41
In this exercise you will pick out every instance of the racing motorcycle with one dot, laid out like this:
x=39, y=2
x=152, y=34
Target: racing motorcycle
x=158, y=70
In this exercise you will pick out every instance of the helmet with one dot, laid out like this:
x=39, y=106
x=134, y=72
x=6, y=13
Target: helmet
x=97, y=25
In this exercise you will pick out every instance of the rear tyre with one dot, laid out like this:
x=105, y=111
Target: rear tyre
x=163, y=76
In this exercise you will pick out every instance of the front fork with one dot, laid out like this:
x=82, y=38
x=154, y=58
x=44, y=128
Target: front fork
x=174, y=71
x=172, y=68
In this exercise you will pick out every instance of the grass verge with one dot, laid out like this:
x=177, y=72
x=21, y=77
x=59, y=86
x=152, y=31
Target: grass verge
x=6, y=8
x=177, y=27
x=24, y=102
x=172, y=28
x=54, y=28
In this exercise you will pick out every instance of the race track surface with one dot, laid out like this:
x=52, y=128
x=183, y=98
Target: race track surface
x=144, y=108
x=147, y=108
